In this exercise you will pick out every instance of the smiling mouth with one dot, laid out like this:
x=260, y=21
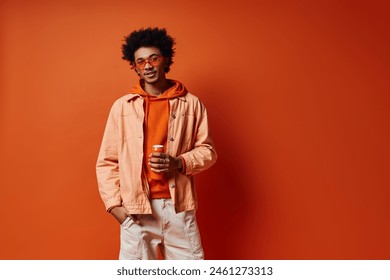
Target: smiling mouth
x=149, y=74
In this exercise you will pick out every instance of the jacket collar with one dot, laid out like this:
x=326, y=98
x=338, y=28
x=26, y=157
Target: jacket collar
x=132, y=96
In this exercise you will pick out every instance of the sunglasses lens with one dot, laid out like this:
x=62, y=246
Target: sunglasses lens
x=140, y=64
x=155, y=60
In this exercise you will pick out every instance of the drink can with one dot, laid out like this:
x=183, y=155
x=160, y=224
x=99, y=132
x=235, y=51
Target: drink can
x=158, y=148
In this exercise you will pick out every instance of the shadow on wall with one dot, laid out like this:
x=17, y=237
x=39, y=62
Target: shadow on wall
x=229, y=196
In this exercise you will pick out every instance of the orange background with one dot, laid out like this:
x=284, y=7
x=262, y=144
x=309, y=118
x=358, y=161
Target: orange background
x=298, y=100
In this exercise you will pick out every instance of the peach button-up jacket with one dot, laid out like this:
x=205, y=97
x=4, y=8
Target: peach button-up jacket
x=119, y=164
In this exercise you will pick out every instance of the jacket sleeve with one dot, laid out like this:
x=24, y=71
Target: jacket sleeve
x=107, y=167
x=203, y=154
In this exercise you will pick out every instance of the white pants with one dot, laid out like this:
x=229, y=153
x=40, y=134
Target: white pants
x=176, y=234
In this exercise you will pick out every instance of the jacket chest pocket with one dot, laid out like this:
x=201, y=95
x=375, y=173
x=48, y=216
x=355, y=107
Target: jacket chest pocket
x=132, y=127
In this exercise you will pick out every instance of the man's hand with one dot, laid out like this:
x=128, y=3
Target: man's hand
x=119, y=213
x=161, y=162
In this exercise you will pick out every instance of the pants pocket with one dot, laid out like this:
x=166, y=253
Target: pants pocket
x=131, y=237
x=126, y=222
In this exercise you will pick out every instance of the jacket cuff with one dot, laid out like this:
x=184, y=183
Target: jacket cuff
x=112, y=207
x=184, y=165
x=188, y=163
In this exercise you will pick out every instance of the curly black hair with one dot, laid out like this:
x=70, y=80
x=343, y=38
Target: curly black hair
x=149, y=37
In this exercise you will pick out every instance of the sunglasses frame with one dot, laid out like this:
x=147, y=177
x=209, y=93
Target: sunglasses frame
x=140, y=64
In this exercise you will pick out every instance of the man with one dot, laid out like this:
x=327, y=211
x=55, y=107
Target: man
x=152, y=194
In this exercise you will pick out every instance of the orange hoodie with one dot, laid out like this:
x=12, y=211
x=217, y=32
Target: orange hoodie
x=155, y=131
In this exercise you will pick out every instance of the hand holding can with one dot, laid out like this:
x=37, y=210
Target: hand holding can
x=154, y=175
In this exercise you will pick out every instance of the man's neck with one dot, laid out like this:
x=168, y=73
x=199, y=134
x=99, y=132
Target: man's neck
x=157, y=88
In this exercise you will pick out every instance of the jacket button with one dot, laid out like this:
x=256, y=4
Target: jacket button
x=172, y=186
x=173, y=116
x=171, y=138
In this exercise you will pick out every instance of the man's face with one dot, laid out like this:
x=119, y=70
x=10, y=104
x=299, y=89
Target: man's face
x=150, y=64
